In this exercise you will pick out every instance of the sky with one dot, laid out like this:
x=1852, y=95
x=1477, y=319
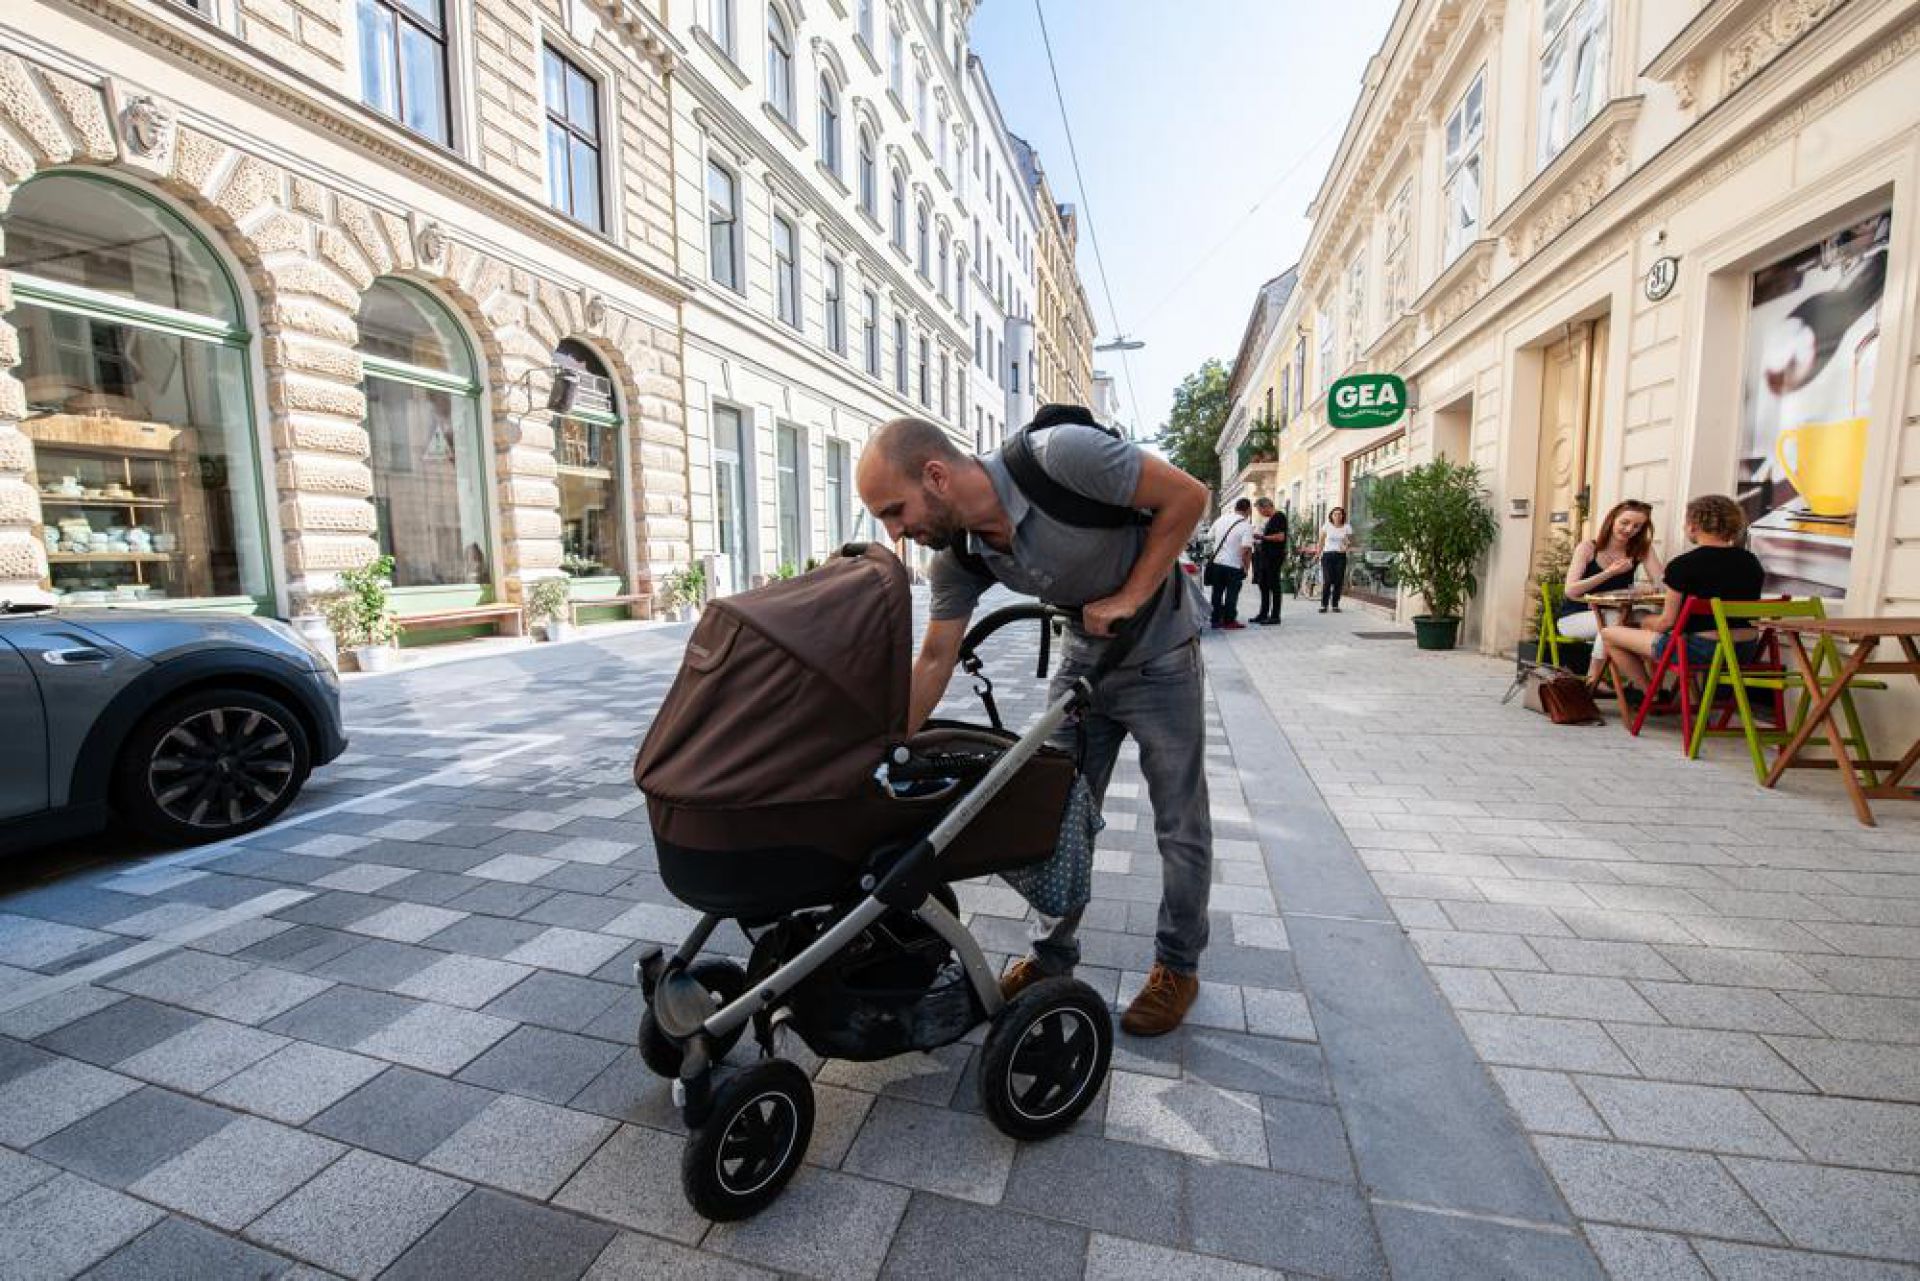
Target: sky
x=1184, y=125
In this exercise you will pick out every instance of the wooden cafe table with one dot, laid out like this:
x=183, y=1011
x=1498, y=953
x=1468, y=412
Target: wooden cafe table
x=1622, y=603
x=1865, y=635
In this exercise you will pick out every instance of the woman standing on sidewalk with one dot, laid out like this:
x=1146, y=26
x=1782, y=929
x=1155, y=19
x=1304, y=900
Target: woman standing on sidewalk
x=1336, y=538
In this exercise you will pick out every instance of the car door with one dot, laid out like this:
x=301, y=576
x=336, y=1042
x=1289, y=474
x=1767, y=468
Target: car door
x=23, y=734
x=78, y=671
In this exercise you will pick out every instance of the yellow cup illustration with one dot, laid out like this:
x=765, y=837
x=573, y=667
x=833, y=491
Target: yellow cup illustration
x=1825, y=461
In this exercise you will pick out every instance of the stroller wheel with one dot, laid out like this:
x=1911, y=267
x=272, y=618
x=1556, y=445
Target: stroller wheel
x=1045, y=1058
x=753, y=1141
x=726, y=981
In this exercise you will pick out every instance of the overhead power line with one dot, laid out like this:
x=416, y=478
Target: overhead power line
x=1086, y=209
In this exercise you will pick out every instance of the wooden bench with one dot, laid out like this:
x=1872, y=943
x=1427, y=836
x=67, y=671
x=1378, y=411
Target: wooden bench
x=509, y=616
x=575, y=606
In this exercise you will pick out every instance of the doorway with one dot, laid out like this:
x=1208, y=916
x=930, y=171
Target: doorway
x=733, y=556
x=1570, y=411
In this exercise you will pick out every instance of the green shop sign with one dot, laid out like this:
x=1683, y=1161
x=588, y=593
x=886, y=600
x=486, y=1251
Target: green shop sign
x=1367, y=400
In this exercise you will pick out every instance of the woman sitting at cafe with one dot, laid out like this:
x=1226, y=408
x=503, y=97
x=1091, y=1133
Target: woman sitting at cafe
x=1607, y=563
x=1717, y=568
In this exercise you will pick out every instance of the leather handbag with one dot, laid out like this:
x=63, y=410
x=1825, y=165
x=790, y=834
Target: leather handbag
x=1555, y=693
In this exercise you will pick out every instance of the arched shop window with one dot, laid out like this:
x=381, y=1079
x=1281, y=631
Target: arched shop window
x=133, y=352
x=423, y=415
x=587, y=453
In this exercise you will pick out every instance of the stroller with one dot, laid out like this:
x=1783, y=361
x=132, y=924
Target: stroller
x=786, y=796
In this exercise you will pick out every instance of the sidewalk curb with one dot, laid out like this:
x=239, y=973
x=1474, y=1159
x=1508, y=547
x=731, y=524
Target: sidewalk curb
x=1431, y=1132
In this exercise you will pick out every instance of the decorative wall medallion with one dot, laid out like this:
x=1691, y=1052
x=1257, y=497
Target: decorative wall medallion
x=596, y=311
x=147, y=125
x=431, y=242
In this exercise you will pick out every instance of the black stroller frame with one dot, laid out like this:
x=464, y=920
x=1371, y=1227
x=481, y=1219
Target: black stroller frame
x=748, y=1134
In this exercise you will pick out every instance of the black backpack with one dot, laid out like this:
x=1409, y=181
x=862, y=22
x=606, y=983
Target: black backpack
x=1067, y=506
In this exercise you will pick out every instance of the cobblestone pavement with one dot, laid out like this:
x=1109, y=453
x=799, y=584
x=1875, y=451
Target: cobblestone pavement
x=1698, y=996
x=392, y=1035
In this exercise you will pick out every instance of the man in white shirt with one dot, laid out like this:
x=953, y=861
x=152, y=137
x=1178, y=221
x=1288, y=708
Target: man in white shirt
x=1232, y=539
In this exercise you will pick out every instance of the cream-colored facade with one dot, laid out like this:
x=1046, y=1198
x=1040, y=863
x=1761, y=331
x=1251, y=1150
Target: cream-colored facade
x=1259, y=388
x=1063, y=322
x=1626, y=249
x=286, y=285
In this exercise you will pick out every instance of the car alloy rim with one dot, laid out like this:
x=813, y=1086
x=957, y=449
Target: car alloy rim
x=1053, y=1064
x=757, y=1142
x=221, y=767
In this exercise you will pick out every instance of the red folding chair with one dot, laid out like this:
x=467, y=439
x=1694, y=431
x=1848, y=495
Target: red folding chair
x=1724, y=717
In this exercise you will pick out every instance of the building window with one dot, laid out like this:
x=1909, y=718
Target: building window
x=1466, y=124
x=946, y=379
x=789, y=469
x=723, y=227
x=1356, y=323
x=924, y=368
x=899, y=197
x=837, y=472
x=922, y=219
x=779, y=64
x=423, y=422
x=730, y=497
x=866, y=22
x=1573, y=71
x=1323, y=326
x=900, y=353
x=720, y=25
x=1299, y=373
x=134, y=364
x=403, y=64
x=960, y=283
x=786, y=271
x=945, y=253
x=1399, y=255
x=943, y=131
x=869, y=174
x=830, y=124
x=587, y=467
x=1286, y=396
x=836, y=308
x=870, y=334
x=978, y=354
x=573, y=141
x=896, y=62
x=920, y=101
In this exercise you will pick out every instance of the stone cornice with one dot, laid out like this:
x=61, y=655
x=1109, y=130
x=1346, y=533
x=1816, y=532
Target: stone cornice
x=1700, y=161
x=1591, y=164
x=1395, y=343
x=1744, y=34
x=224, y=59
x=1464, y=281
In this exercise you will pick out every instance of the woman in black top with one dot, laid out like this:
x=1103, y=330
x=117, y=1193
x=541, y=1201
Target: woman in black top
x=1608, y=562
x=1716, y=569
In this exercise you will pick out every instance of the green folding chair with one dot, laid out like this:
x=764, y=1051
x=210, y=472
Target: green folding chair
x=1547, y=648
x=1763, y=683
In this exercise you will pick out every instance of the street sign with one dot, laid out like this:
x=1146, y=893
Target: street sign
x=1366, y=400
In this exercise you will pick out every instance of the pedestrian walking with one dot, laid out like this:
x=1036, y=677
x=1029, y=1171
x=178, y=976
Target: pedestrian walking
x=1227, y=565
x=1068, y=511
x=1269, y=556
x=1336, y=537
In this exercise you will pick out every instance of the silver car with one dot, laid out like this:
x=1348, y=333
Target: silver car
x=192, y=727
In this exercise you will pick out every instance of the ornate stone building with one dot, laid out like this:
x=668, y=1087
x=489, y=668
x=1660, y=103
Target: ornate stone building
x=286, y=286
x=1625, y=249
x=1063, y=322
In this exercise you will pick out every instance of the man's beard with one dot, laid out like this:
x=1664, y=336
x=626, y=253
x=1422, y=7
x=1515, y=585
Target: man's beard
x=943, y=527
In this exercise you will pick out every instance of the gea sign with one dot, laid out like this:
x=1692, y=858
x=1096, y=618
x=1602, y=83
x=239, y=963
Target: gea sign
x=1367, y=400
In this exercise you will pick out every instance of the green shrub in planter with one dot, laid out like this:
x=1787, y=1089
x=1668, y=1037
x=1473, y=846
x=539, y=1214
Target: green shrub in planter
x=546, y=602
x=361, y=616
x=1437, y=521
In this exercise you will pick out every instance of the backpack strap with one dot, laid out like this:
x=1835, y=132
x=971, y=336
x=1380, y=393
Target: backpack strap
x=1067, y=506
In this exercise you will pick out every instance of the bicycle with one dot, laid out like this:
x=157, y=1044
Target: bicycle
x=1306, y=575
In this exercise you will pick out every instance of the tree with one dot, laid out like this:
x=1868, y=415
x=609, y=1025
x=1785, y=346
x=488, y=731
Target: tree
x=1191, y=437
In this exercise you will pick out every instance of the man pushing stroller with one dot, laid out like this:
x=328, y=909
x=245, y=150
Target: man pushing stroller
x=1067, y=511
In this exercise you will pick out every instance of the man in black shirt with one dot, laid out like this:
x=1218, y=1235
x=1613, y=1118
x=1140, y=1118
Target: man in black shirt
x=1269, y=554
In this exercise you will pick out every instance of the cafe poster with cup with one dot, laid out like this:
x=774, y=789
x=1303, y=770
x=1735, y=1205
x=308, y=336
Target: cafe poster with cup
x=1813, y=336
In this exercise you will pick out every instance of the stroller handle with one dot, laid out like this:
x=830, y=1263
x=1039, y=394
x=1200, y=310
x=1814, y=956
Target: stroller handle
x=1125, y=635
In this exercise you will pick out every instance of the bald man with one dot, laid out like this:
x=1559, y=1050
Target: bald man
x=919, y=485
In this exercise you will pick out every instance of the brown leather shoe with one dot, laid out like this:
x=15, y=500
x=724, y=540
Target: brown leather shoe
x=1020, y=976
x=1162, y=1003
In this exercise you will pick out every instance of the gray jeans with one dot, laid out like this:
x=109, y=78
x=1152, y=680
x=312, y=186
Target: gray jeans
x=1162, y=703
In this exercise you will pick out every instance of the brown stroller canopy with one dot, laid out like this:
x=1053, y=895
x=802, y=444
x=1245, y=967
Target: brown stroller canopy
x=788, y=694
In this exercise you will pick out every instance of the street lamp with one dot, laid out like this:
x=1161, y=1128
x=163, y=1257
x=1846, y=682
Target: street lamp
x=1120, y=343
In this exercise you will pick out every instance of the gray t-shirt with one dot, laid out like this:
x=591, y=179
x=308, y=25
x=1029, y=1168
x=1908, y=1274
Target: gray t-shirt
x=1070, y=565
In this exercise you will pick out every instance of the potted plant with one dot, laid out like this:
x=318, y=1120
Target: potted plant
x=686, y=591
x=1437, y=522
x=547, y=606
x=361, y=615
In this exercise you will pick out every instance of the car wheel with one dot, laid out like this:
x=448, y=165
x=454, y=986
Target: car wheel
x=210, y=765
